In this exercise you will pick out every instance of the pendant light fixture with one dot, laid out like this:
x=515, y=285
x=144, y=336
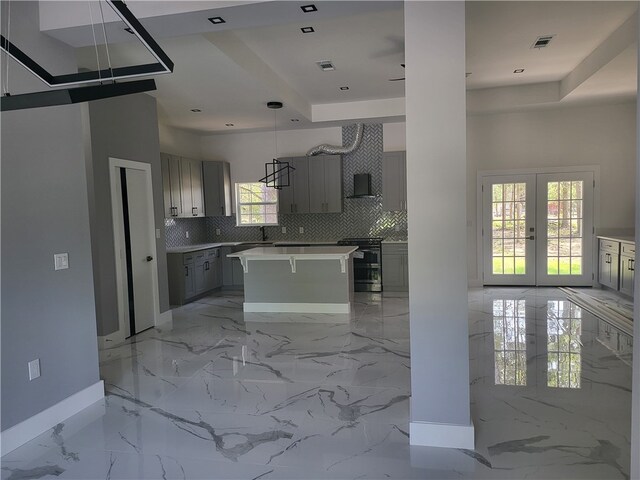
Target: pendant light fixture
x=276, y=173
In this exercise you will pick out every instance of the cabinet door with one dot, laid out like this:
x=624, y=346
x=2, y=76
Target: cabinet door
x=626, y=274
x=604, y=269
x=212, y=180
x=394, y=181
x=300, y=177
x=185, y=183
x=238, y=272
x=316, y=185
x=189, y=281
x=286, y=197
x=393, y=272
x=333, y=183
x=175, y=188
x=166, y=185
x=197, y=193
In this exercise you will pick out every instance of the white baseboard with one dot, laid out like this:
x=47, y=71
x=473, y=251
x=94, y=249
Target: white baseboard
x=165, y=317
x=441, y=435
x=30, y=428
x=110, y=340
x=297, y=307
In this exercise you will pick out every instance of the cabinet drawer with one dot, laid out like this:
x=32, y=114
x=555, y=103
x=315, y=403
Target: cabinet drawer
x=628, y=249
x=395, y=248
x=188, y=258
x=609, y=246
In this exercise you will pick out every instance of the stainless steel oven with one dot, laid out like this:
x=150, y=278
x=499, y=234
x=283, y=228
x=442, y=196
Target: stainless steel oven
x=367, y=263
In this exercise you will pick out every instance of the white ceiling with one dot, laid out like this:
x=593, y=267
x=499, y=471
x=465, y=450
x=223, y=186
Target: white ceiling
x=260, y=54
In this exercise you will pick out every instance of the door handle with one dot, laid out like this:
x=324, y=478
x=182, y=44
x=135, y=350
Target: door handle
x=149, y=258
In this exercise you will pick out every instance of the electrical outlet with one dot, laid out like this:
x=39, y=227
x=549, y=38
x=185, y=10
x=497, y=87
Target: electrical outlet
x=301, y=230
x=34, y=369
x=284, y=229
x=61, y=261
x=158, y=233
x=397, y=227
x=186, y=234
x=218, y=231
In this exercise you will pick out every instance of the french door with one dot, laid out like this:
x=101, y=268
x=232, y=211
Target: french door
x=538, y=229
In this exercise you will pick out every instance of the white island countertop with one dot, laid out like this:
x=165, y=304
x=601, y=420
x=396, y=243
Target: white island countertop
x=292, y=254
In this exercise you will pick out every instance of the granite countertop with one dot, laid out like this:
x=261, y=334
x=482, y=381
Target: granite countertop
x=394, y=241
x=618, y=238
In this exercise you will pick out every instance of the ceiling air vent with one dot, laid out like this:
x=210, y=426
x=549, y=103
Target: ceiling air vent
x=326, y=65
x=543, y=41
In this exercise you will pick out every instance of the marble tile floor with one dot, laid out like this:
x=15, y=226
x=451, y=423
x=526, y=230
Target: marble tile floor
x=217, y=396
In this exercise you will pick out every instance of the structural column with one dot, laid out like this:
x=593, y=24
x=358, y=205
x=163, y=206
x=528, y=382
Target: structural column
x=635, y=402
x=436, y=195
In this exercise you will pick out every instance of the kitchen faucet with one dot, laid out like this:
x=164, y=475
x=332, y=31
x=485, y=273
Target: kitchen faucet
x=264, y=233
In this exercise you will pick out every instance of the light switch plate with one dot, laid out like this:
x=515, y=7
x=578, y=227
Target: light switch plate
x=187, y=233
x=34, y=369
x=61, y=261
x=301, y=229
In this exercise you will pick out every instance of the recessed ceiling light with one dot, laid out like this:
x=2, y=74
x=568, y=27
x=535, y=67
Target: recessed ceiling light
x=542, y=41
x=344, y=88
x=307, y=30
x=326, y=65
x=217, y=20
x=309, y=8
x=295, y=120
x=518, y=70
x=196, y=110
x=128, y=30
x=228, y=124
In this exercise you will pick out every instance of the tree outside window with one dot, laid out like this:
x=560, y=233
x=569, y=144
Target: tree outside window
x=256, y=205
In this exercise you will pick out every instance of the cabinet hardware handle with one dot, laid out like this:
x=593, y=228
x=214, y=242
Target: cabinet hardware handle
x=174, y=211
x=194, y=211
x=149, y=258
x=186, y=271
x=291, y=208
x=206, y=265
x=633, y=265
x=531, y=237
x=295, y=207
x=222, y=210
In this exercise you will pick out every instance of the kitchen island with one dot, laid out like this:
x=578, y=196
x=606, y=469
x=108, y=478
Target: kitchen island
x=316, y=279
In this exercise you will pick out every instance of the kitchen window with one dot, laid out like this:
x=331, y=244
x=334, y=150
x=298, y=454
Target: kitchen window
x=256, y=205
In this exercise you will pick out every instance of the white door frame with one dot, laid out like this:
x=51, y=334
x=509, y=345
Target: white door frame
x=537, y=170
x=118, y=242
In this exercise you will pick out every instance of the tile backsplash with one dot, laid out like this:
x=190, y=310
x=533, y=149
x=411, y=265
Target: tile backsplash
x=361, y=217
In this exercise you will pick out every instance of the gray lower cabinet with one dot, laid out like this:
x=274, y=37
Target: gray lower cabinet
x=395, y=267
x=394, y=181
x=627, y=267
x=295, y=197
x=217, y=188
x=325, y=184
x=193, y=274
x=608, y=262
x=232, y=272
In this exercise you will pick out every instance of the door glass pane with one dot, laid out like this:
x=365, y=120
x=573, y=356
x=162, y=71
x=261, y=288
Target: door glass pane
x=564, y=227
x=508, y=232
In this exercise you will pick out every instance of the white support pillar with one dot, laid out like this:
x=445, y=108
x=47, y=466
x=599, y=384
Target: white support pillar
x=635, y=402
x=436, y=196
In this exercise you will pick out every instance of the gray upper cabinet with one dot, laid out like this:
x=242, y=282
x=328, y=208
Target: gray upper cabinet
x=394, y=181
x=172, y=185
x=182, y=186
x=325, y=184
x=192, y=192
x=217, y=188
x=295, y=197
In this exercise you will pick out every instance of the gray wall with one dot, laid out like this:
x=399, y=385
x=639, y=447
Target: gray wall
x=125, y=128
x=45, y=314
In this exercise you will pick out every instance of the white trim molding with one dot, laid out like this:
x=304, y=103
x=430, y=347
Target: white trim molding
x=446, y=435
x=165, y=318
x=111, y=340
x=30, y=428
x=297, y=308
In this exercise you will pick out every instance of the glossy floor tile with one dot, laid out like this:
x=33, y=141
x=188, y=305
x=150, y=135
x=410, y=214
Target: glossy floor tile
x=217, y=396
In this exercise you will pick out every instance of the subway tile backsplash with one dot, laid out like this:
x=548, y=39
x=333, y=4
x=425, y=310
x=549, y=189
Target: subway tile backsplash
x=361, y=217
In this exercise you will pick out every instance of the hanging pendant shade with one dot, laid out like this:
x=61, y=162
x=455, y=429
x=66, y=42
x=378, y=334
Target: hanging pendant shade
x=276, y=173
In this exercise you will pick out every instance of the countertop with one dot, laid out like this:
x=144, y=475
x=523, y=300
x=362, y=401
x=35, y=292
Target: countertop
x=206, y=246
x=283, y=253
x=394, y=241
x=618, y=238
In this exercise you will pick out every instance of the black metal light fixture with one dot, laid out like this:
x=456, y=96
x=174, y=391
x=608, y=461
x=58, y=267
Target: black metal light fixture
x=83, y=94
x=276, y=173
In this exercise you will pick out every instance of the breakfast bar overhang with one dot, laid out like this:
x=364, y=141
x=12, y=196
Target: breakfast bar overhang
x=298, y=279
